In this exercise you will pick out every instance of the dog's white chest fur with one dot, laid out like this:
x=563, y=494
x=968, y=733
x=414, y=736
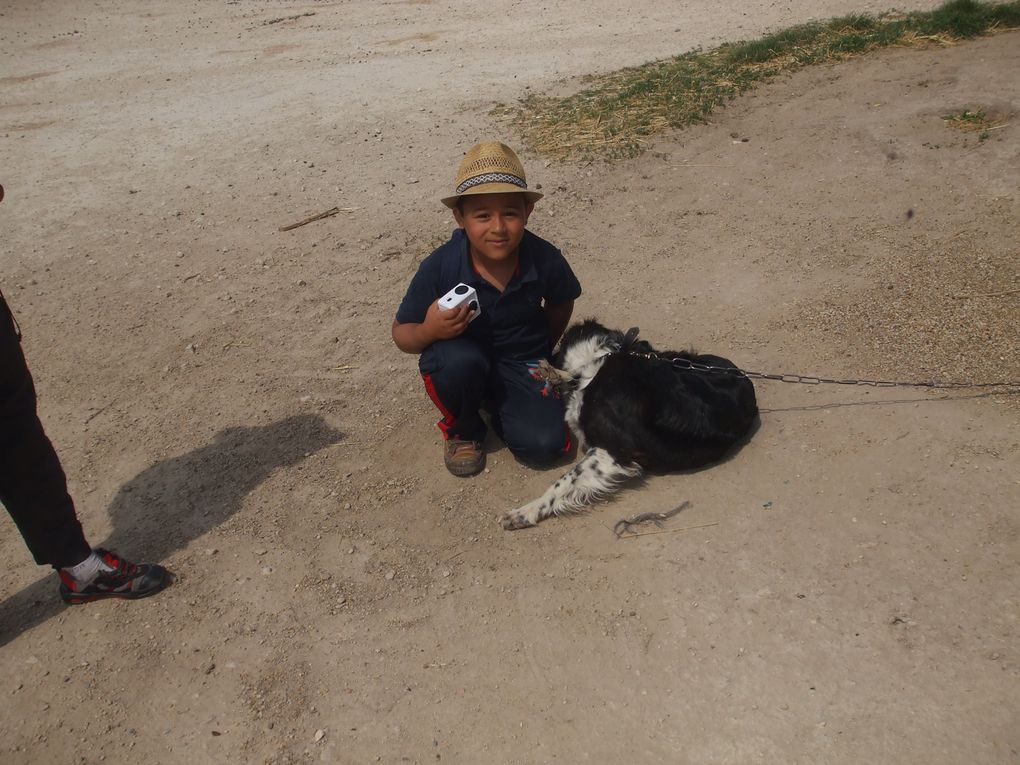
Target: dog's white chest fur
x=583, y=361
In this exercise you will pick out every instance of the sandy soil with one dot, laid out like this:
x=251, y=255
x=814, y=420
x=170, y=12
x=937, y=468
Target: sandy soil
x=227, y=400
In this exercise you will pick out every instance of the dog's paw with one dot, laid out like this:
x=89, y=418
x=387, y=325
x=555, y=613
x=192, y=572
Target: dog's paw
x=516, y=520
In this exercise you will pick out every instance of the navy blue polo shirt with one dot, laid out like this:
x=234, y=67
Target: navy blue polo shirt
x=512, y=323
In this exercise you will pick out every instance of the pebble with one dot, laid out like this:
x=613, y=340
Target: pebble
x=319, y=734
x=267, y=570
x=390, y=574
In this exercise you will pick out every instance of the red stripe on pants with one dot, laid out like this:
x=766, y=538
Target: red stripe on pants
x=449, y=419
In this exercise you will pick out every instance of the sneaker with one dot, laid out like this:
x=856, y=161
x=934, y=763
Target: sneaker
x=464, y=458
x=126, y=580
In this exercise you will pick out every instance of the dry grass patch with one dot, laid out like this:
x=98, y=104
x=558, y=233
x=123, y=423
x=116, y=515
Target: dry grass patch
x=614, y=115
x=976, y=121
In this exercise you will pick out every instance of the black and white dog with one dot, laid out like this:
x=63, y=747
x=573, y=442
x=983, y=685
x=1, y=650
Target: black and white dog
x=635, y=409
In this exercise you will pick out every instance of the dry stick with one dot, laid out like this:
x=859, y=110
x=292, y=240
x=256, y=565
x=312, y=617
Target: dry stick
x=96, y=413
x=623, y=525
x=320, y=216
x=668, y=531
x=286, y=18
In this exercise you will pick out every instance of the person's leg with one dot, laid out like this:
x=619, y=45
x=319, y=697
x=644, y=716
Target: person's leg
x=455, y=374
x=530, y=413
x=33, y=487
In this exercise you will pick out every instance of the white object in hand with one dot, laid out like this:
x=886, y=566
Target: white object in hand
x=460, y=295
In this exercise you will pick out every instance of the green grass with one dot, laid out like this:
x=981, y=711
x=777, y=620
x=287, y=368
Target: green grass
x=615, y=112
x=976, y=121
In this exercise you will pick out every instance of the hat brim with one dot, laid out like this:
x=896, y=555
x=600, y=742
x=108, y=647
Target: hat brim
x=493, y=188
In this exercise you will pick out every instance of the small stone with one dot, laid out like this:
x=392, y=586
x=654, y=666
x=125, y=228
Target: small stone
x=447, y=572
x=267, y=570
x=210, y=551
x=390, y=574
x=320, y=734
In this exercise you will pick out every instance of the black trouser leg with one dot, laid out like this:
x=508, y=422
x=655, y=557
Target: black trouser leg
x=455, y=373
x=33, y=487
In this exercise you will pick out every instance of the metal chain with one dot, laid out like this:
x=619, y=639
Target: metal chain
x=813, y=380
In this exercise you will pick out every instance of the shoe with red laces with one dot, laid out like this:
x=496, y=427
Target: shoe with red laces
x=464, y=458
x=117, y=579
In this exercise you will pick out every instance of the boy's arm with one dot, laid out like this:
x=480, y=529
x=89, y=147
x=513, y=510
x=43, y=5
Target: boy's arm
x=558, y=315
x=439, y=324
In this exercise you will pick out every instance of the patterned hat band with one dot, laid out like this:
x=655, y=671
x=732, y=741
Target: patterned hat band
x=478, y=180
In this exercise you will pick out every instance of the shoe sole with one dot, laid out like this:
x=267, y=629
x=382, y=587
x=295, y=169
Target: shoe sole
x=73, y=599
x=462, y=473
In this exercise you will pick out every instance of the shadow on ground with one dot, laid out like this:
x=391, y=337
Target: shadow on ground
x=173, y=502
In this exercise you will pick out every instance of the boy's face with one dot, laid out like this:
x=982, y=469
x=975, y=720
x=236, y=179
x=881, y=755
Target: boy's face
x=494, y=223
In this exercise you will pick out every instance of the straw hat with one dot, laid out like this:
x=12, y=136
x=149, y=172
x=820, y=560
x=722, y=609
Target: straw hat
x=490, y=167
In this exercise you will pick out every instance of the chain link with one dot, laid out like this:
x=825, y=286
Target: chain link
x=813, y=380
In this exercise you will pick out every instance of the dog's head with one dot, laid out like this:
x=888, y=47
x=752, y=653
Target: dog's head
x=584, y=345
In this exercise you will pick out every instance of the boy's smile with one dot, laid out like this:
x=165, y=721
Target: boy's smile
x=494, y=224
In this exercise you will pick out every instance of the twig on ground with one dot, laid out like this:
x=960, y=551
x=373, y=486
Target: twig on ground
x=96, y=413
x=320, y=216
x=668, y=531
x=623, y=525
x=287, y=18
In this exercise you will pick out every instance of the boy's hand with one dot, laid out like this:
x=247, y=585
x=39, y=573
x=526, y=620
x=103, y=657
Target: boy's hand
x=443, y=323
x=439, y=324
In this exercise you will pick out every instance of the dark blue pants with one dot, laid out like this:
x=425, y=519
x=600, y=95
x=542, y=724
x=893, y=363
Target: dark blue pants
x=462, y=378
x=33, y=487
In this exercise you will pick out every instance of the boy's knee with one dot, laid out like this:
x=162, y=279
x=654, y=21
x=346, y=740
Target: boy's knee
x=457, y=358
x=540, y=449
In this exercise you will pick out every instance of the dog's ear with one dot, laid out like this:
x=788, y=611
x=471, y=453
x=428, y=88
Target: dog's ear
x=630, y=340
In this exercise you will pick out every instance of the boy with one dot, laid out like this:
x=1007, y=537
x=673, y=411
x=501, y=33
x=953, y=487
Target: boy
x=526, y=294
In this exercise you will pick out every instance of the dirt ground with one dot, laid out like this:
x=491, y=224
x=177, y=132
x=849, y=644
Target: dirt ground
x=227, y=400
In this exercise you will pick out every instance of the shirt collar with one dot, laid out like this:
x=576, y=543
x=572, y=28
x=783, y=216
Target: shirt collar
x=525, y=272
